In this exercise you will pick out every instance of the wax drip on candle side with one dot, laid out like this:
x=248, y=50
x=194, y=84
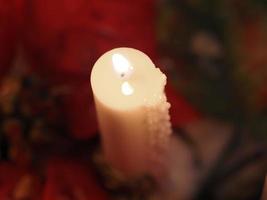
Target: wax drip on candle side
x=158, y=129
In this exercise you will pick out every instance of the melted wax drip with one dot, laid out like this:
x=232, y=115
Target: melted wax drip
x=159, y=130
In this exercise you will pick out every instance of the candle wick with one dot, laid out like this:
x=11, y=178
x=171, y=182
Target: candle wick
x=121, y=65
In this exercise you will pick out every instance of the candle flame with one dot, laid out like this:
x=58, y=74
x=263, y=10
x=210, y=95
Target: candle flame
x=121, y=65
x=126, y=88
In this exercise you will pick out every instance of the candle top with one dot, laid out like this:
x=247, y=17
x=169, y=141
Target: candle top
x=126, y=78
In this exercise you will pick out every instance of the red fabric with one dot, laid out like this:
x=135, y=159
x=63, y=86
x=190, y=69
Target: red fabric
x=7, y=34
x=9, y=176
x=80, y=110
x=66, y=37
x=70, y=179
x=181, y=111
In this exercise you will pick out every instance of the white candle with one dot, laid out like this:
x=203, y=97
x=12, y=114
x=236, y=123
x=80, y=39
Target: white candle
x=132, y=111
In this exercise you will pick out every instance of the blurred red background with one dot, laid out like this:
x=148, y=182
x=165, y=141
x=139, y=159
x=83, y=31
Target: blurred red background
x=60, y=41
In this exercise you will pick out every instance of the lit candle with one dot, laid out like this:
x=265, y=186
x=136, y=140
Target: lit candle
x=132, y=111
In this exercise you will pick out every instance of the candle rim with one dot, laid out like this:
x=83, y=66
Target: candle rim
x=149, y=98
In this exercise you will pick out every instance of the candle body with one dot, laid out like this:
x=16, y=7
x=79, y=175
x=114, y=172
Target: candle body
x=134, y=120
x=133, y=141
x=123, y=141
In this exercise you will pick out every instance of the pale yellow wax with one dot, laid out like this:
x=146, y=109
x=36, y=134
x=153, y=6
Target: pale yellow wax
x=132, y=111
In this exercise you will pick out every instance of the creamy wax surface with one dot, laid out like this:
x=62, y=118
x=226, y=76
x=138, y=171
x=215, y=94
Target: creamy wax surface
x=132, y=111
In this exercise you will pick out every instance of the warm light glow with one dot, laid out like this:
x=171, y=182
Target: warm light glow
x=121, y=65
x=127, y=89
